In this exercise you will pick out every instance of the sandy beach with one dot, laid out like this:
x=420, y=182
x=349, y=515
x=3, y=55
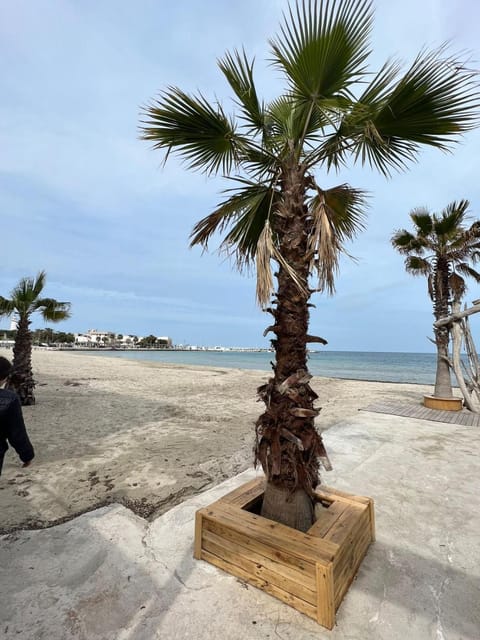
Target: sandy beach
x=145, y=435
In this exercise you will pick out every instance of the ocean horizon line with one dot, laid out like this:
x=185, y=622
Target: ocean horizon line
x=369, y=366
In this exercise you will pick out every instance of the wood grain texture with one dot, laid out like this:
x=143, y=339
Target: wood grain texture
x=309, y=571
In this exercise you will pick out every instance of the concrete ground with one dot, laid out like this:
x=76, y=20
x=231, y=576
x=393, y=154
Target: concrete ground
x=109, y=575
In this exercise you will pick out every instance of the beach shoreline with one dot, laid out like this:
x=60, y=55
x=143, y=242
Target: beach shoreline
x=146, y=434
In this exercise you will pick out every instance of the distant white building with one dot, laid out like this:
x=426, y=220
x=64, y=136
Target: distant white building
x=93, y=337
x=166, y=340
x=96, y=338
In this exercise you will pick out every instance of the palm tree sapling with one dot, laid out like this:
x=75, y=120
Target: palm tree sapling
x=24, y=301
x=331, y=109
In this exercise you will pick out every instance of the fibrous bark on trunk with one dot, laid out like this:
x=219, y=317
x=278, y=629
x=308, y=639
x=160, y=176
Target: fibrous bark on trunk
x=21, y=379
x=443, y=382
x=287, y=445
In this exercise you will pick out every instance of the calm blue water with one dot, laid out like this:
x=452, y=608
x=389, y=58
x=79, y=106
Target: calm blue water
x=357, y=365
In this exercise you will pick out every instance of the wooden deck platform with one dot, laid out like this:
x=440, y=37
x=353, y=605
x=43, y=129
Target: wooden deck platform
x=464, y=417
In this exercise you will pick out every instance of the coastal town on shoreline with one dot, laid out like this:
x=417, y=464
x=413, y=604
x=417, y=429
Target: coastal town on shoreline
x=93, y=339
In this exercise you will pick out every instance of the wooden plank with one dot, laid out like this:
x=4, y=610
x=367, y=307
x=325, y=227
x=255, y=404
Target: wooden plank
x=345, y=575
x=197, y=545
x=347, y=567
x=424, y=414
x=345, y=524
x=296, y=603
x=304, y=577
x=327, y=493
x=327, y=518
x=304, y=568
x=325, y=597
x=357, y=531
x=277, y=535
x=245, y=495
x=257, y=567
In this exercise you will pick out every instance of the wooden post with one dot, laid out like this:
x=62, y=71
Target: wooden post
x=325, y=596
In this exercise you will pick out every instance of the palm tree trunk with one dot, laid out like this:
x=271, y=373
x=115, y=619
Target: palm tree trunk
x=21, y=380
x=443, y=382
x=288, y=445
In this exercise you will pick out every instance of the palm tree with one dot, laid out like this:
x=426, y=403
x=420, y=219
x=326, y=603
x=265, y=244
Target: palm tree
x=330, y=111
x=441, y=248
x=24, y=301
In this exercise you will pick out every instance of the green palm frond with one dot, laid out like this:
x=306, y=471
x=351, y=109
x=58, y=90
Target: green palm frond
x=323, y=46
x=434, y=102
x=417, y=266
x=201, y=134
x=290, y=122
x=405, y=242
x=422, y=220
x=244, y=214
x=52, y=310
x=7, y=307
x=357, y=122
x=38, y=284
x=447, y=225
x=26, y=292
x=468, y=271
x=239, y=73
x=338, y=215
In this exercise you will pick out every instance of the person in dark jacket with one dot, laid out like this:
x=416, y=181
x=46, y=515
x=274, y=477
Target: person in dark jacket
x=12, y=426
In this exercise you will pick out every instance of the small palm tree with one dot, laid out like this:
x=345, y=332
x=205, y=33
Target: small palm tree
x=443, y=249
x=24, y=301
x=331, y=110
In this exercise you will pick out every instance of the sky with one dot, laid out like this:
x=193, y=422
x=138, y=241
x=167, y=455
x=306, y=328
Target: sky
x=83, y=198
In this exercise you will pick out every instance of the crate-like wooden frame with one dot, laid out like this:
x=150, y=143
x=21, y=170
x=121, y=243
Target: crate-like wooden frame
x=309, y=571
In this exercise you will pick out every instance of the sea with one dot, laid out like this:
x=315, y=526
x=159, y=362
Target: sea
x=418, y=368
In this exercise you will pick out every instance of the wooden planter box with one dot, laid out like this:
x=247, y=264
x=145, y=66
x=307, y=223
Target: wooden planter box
x=309, y=571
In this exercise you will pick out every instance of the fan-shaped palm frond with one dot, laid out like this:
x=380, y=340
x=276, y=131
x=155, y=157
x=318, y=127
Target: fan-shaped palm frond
x=52, y=310
x=446, y=226
x=423, y=222
x=239, y=73
x=468, y=271
x=7, y=307
x=405, y=242
x=395, y=117
x=322, y=47
x=417, y=266
x=243, y=216
x=201, y=133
